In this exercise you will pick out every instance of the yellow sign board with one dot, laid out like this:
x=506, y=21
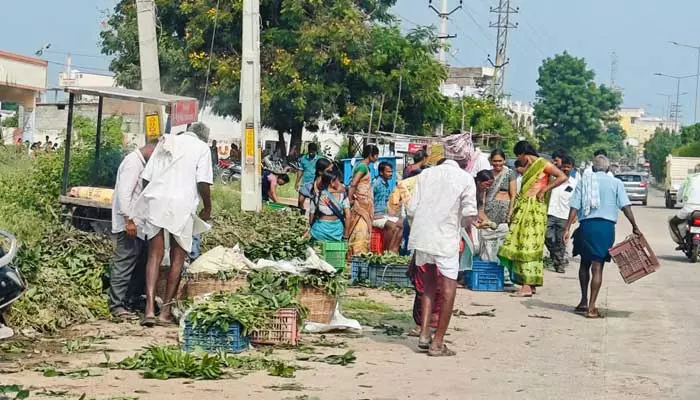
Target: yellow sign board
x=436, y=153
x=152, y=127
x=250, y=144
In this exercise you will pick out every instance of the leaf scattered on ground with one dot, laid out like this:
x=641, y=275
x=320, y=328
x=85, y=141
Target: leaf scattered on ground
x=50, y=372
x=539, y=316
x=323, y=341
x=334, y=359
x=293, y=386
x=18, y=392
x=374, y=313
x=488, y=313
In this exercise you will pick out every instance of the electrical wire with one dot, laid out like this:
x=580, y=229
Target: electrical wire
x=66, y=53
x=211, y=53
x=79, y=66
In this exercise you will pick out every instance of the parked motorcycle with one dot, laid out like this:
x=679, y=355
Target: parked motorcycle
x=229, y=171
x=691, y=241
x=12, y=284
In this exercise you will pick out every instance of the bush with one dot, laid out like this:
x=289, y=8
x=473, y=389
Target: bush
x=688, y=150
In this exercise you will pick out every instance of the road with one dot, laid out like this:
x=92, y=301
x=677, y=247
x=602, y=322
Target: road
x=644, y=348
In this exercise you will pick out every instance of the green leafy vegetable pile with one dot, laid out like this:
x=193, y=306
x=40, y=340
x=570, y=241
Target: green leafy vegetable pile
x=165, y=362
x=385, y=259
x=272, y=235
x=223, y=309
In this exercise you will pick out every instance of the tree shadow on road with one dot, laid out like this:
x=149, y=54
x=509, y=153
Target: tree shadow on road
x=674, y=258
x=569, y=308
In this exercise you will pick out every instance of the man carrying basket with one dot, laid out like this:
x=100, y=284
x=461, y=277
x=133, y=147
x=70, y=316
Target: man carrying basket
x=596, y=201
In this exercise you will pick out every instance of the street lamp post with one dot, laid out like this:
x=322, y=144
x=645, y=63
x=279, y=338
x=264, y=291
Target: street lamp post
x=697, y=76
x=678, y=92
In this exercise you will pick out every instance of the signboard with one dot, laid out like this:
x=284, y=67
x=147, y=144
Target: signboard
x=402, y=147
x=414, y=147
x=152, y=127
x=184, y=112
x=249, y=143
x=436, y=152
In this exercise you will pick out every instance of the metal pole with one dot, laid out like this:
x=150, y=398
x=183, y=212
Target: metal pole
x=66, y=144
x=697, y=88
x=251, y=188
x=398, y=102
x=678, y=100
x=98, y=141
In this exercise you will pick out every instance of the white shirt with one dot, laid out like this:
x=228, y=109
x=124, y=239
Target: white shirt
x=559, y=202
x=482, y=162
x=171, y=198
x=127, y=190
x=590, y=167
x=443, y=195
x=693, y=192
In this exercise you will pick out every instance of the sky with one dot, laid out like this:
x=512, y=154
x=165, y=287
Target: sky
x=638, y=31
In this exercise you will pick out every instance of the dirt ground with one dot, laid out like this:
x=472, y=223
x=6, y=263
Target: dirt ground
x=644, y=348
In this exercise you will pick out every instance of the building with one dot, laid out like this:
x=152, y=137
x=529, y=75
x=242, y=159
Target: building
x=639, y=127
x=22, y=80
x=468, y=81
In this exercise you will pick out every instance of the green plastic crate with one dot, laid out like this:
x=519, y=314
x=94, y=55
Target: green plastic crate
x=276, y=206
x=334, y=253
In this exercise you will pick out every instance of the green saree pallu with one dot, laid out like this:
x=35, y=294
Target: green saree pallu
x=522, y=249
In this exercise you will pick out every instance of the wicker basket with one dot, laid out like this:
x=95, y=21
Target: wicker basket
x=282, y=330
x=321, y=306
x=635, y=258
x=162, y=284
x=201, y=284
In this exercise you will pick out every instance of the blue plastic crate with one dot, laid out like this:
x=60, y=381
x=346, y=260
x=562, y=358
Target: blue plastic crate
x=484, y=276
x=359, y=269
x=213, y=340
x=383, y=275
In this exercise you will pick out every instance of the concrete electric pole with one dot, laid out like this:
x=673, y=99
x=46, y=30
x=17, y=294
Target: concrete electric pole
x=148, y=56
x=444, y=36
x=502, y=25
x=251, y=188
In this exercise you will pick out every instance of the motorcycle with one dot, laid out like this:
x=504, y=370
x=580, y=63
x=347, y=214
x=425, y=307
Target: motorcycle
x=691, y=240
x=229, y=171
x=12, y=284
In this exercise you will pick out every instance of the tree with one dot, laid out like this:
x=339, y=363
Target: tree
x=482, y=116
x=319, y=59
x=572, y=111
x=658, y=148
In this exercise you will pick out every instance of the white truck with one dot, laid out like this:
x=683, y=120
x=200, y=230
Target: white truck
x=677, y=169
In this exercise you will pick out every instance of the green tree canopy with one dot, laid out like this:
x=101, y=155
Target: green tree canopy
x=319, y=59
x=572, y=110
x=658, y=148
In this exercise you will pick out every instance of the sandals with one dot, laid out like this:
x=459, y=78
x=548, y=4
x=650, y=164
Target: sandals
x=522, y=295
x=124, y=315
x=593, y=314
x=162, y=323
x=581, y=309
x=424, y=345
x=443, y=352
x=148, y=322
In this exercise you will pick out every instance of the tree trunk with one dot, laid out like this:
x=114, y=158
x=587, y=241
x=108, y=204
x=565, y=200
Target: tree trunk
x=295, y=141
x=281, y=148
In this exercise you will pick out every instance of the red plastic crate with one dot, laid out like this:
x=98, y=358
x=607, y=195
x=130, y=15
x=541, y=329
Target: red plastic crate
x=282, y=330
x=635, y=258
x=376, y=243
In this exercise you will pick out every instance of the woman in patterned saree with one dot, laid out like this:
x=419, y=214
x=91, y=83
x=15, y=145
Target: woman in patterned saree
x=361, y=203
x=522, y=249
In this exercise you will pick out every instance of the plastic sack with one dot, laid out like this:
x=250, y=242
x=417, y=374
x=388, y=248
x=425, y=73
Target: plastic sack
x=220, y=259
x=491, y=241
x=338, y=323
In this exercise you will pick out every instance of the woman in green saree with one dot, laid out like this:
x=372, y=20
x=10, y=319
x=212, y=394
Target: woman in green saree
x=522, y=249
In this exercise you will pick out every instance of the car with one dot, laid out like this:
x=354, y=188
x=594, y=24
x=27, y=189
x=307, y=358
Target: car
x=636, y=186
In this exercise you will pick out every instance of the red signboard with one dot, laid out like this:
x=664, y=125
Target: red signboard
x=414, y=147
x=184, y=112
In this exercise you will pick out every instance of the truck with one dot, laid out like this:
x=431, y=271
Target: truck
x=677, y=169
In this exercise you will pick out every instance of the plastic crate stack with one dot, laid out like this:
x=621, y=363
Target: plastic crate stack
x=213, y=340
x=376, y=243
x=335, y=254
x=485, y=276
x=389, y=275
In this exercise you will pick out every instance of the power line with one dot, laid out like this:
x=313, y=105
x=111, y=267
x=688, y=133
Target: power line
x=481, y=28
x=78, y=66
x=66, y=53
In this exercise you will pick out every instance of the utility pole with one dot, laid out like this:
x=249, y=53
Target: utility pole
x=502, y=25
x=678, y=94
x=251, y=196
x=444, y=36
x=697, y=76
x=148, y=53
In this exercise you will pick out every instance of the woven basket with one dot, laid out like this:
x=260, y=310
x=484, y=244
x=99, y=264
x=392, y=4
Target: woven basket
x=201, y=284
x=162, y=284
x=321, y=306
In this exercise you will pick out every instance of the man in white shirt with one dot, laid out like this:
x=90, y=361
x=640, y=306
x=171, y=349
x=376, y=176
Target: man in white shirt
x=444, y=199
x=128, y=272
x=176, y=176
x=557, y=215
x=689, y=195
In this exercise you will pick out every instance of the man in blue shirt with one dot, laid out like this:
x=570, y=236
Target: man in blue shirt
x=307, y=173
x=596, y=203
x=392, y=226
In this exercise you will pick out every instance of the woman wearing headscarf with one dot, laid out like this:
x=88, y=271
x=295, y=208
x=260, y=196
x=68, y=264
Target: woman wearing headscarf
x=522, y=249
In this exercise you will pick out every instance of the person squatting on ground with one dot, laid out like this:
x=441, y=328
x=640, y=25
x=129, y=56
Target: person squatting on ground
x=557, y=215
x=445, y=198
x=523, y=246
x=178, y=174
x=392, y=227
x=596, y=203
x=127, y=278
x=689, y=195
